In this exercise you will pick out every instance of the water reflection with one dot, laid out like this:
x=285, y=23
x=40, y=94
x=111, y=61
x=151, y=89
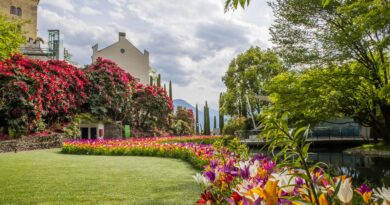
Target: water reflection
x=371, y=170
x=374, y=171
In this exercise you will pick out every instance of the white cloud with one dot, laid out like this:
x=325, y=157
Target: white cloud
x=89, y=11
x=60, y=4
x=117, y=14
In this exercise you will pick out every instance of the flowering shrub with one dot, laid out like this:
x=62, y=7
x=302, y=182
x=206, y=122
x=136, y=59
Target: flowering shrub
x=183, y=122
x=110, y=90
x=151, y=108
x=33, y=90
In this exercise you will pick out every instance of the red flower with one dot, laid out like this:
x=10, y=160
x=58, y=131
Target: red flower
x=206, y=198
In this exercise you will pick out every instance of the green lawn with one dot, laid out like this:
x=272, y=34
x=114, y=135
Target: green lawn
x=48, y=177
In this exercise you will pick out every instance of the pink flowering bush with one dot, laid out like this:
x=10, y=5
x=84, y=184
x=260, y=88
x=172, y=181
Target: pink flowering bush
x=32, y=91
x=151, y=108
x=110, y=91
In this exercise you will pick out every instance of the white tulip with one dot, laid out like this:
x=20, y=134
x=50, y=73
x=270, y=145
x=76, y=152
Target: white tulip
x=253, y=169
x=345, y=193
x=201, y=180
x=382, y=193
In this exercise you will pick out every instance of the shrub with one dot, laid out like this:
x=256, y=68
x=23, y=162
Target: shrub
x=110, y=90
x=234, y=124
x=32, y=91
x=151, y=108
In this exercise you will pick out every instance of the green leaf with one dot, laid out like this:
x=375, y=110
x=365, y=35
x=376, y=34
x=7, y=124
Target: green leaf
x=325, y=3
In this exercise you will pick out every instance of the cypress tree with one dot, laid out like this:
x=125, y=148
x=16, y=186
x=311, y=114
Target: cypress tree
x=159, y=81
x=221, y=117
x=170, y=89
x=151, y=80
x=215, y=122
x=206, y=120
x=197, y=120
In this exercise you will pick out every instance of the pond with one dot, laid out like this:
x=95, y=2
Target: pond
x=374, y=171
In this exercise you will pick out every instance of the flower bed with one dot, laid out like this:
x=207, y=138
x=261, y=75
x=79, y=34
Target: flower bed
x=230, y=178
x=196, y=154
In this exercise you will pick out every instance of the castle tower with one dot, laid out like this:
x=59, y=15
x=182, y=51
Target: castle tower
x=25, y=10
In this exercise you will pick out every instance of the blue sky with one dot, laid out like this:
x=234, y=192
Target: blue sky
x=190, y=42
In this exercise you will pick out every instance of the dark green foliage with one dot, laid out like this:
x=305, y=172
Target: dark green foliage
x=215, y=122
x=206, y=125
x=159, y=80
x=170, y=90
x=150, y=80
x=234, y=124
x=221, y=115
x=197, y=120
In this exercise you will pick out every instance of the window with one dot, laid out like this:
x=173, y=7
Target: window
x=122, y=50
x=13, y=10
x=19, y=11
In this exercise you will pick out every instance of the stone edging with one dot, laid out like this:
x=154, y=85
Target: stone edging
x=370, y=153
x=31, y=143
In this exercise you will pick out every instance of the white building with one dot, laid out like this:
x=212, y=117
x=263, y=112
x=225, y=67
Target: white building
x=127, y=56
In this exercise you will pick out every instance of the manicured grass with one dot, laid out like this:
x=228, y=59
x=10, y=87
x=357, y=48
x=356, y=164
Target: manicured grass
x=48, y=177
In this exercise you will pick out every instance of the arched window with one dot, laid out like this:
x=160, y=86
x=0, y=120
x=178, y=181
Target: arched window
x=13, y=10
x=19, y=11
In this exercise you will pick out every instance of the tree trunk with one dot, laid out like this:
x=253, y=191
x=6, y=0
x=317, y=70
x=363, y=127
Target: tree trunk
x=385, y=132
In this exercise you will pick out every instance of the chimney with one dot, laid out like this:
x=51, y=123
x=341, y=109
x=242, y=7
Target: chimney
x=95, y=48
x=122, y=35
x=146, y=54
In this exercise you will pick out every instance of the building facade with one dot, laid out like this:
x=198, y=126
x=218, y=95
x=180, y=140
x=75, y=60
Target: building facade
x=127, y=56
x=25, y=10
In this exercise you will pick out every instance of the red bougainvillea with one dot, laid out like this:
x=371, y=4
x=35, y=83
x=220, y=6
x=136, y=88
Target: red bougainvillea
x=32, y=90
x=151, y=108
x=110, y=90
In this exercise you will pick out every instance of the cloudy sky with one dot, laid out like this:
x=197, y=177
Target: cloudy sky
x=190, y=42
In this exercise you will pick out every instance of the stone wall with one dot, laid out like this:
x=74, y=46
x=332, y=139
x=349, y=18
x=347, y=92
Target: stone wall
x=31, y=143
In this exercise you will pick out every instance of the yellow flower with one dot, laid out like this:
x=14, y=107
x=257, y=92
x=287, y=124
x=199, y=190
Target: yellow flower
x=323, y=200
x=269, y=193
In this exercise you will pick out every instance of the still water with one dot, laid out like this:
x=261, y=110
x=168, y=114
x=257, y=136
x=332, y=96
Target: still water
x=374, y=171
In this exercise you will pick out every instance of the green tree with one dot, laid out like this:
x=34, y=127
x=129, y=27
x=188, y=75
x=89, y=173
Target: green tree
x=245, y=79
x=206, y=126
x=159, y=80
x=170, y=89
x=197, y=119
x=221, y=115
x=11, y=36
x=150, y=80
x=215, y=122
x=338, y=33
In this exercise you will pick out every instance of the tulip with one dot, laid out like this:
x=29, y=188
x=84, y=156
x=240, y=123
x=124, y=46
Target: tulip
x=201, y=180
x=384, y=194
x=345, y=192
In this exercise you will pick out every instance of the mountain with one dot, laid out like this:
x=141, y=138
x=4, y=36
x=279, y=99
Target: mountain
x=187, y=105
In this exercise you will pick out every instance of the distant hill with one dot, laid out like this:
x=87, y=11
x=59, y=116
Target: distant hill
x=187, y=105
